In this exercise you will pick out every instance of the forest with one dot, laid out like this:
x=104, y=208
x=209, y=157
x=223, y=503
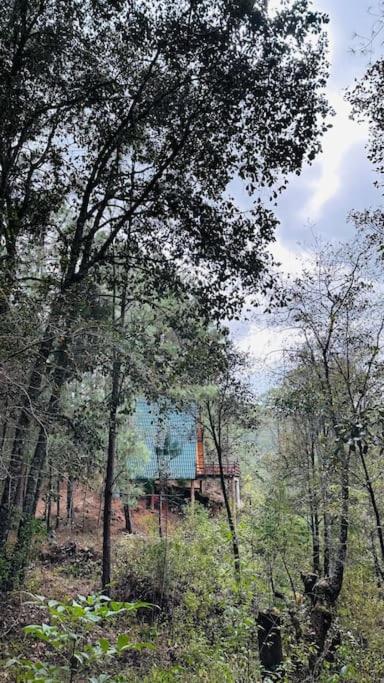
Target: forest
x=169, y=512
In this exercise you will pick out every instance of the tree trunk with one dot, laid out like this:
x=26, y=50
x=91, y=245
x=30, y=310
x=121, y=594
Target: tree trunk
x=326, y=544
x=99, y=510
x=128, y=519
x=109, y=479
x=70, y=489
x=378, y=571
x=324, y=592
x=25, y=530
x=4, y=425
x=313, y=504
x=316, y=544
x=37, y=491
x=19, y=493
x=49, y=499
x=23, y=423
x=161, y=512
x=341, y=555
x=84, y=506
x=372, y=497
x=112, y=438
x=321, y=621
x=24, y=534
x=58, y=501
x=231, y=524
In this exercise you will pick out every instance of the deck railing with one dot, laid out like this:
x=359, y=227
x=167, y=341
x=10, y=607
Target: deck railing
x=229, y=470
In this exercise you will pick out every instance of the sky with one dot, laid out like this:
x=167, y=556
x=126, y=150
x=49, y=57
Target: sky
x=341, y=178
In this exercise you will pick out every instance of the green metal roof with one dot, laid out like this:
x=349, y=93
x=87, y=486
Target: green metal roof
x=170, y=437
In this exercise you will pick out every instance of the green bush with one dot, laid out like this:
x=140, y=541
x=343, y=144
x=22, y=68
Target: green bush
x=75, y=641
x=208, y=624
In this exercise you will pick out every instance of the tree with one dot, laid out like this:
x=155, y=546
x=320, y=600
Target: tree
x=327, y=398
x=231, y=408
x=224, y=406
x=131, y=450
x=143, y=152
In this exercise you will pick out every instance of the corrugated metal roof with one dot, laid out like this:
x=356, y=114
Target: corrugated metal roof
x=170, y=437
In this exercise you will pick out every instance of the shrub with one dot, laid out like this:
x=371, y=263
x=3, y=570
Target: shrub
x=75, y=641
x=209, y=624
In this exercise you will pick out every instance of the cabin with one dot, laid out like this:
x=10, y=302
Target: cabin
x=176, y=458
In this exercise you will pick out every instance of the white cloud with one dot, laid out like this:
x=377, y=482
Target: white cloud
x=338, y=141
x=274, y=5
x=266, y=347
x=292, y=260
x=267, y=344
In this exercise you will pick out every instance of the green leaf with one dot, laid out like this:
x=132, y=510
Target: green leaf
x=33, y=629
x=104, y=644
x=123, y=642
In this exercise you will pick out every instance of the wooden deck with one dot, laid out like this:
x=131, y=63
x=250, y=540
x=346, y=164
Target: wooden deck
x=230, y=470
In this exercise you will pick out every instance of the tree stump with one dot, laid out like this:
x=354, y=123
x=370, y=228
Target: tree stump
x=270, y=644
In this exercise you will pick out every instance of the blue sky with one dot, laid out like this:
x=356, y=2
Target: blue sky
x=341, y=178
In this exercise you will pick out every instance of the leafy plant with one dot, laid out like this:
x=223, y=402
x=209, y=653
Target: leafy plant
x=69, y=636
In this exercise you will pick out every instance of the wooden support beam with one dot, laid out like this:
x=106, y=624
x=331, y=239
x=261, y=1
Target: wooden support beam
x=192, y=493
x=237, y=493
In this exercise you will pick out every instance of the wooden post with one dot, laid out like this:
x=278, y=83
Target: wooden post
x=237, y=493
x=199, y=449
x=192, y=493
